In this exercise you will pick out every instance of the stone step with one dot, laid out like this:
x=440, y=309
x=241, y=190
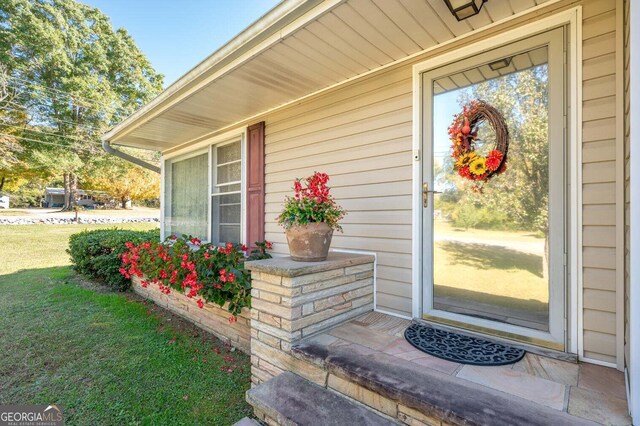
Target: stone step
x=402, y=390
x=246, y=421
x=290, y=400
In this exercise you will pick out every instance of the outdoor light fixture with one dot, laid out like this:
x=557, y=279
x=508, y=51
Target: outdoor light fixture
x=463, y=9
x=500, y=63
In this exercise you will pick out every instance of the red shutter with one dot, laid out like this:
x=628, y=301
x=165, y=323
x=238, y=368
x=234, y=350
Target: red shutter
x=255, y=184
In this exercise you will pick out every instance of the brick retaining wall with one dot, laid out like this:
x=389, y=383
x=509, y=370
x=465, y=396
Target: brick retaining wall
x=211, y=318
x=290, y=301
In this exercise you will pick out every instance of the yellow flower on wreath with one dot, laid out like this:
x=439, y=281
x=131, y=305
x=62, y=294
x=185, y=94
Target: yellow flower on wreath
x=466, y=159
x=478, y=166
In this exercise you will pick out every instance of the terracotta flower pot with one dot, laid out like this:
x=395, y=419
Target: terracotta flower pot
x=310, y=242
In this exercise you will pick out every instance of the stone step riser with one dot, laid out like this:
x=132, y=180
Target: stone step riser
x=418, y=397
x=341, y=384
x=290, y=400
x=379, y=404
x=335, y=383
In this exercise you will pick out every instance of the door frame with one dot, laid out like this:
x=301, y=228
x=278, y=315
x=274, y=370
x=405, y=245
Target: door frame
x=556, y=336
x=572, y=19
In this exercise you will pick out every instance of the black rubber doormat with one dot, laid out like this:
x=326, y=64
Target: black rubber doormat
x=460, y=348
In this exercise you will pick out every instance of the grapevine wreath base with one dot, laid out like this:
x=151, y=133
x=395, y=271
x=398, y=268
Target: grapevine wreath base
x=463, y=133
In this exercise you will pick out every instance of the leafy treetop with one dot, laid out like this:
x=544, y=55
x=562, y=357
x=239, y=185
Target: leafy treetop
x=71, y=76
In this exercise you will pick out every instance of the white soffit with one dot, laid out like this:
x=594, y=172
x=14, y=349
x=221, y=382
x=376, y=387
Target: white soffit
x=296, y=49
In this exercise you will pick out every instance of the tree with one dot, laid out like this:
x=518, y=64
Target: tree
x=73, y=76
x=522, y=193
x=519, y=196
x=124, y=180
x=9, y=146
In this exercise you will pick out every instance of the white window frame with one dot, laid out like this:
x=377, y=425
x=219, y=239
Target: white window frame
x=212, y=165
x=164, y=176
x=200, y=148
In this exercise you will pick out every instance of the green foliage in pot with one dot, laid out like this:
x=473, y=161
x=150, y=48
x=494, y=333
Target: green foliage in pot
x=311, y=203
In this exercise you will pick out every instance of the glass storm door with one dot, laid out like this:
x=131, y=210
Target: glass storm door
x=494, y=259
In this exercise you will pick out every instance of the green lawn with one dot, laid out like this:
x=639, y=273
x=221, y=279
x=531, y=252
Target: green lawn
x=13, y=212
x=106, y=358
x=501, y=263
x=483, y=269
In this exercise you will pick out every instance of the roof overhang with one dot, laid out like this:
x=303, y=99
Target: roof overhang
x=266, y=31
x=298, y=48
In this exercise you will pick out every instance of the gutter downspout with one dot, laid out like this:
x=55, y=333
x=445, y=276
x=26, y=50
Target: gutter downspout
x=633, y=363
x=106, y=145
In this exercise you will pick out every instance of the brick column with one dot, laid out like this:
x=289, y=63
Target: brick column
x=294, y=300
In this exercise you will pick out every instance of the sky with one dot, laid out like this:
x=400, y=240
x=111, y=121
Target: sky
x=176, y=35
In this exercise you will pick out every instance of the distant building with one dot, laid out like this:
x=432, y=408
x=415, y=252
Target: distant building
x=54, y=197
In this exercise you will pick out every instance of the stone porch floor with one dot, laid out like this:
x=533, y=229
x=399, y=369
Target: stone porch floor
x=584, y=390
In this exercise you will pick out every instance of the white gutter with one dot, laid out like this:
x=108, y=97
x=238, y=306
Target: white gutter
x=106, y=145
x=270, y=23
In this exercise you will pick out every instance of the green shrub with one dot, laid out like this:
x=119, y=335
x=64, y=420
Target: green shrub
x=467, y=215
x=96, y=254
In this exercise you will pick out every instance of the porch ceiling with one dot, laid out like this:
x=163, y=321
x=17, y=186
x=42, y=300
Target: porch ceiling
x=296, y=49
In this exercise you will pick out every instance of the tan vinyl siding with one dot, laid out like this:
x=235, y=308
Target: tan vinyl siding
x=599, y=279
x=361, y=136
x=599, y=179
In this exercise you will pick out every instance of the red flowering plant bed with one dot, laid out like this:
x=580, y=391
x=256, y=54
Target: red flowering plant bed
x=203, y=272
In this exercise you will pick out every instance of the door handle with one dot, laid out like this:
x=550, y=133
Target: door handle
x=425, y=194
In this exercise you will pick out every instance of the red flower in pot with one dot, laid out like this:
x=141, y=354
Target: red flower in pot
x=310, y=217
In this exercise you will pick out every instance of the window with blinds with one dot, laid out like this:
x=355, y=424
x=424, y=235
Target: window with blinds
x=186, y=203
x=226, y=195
